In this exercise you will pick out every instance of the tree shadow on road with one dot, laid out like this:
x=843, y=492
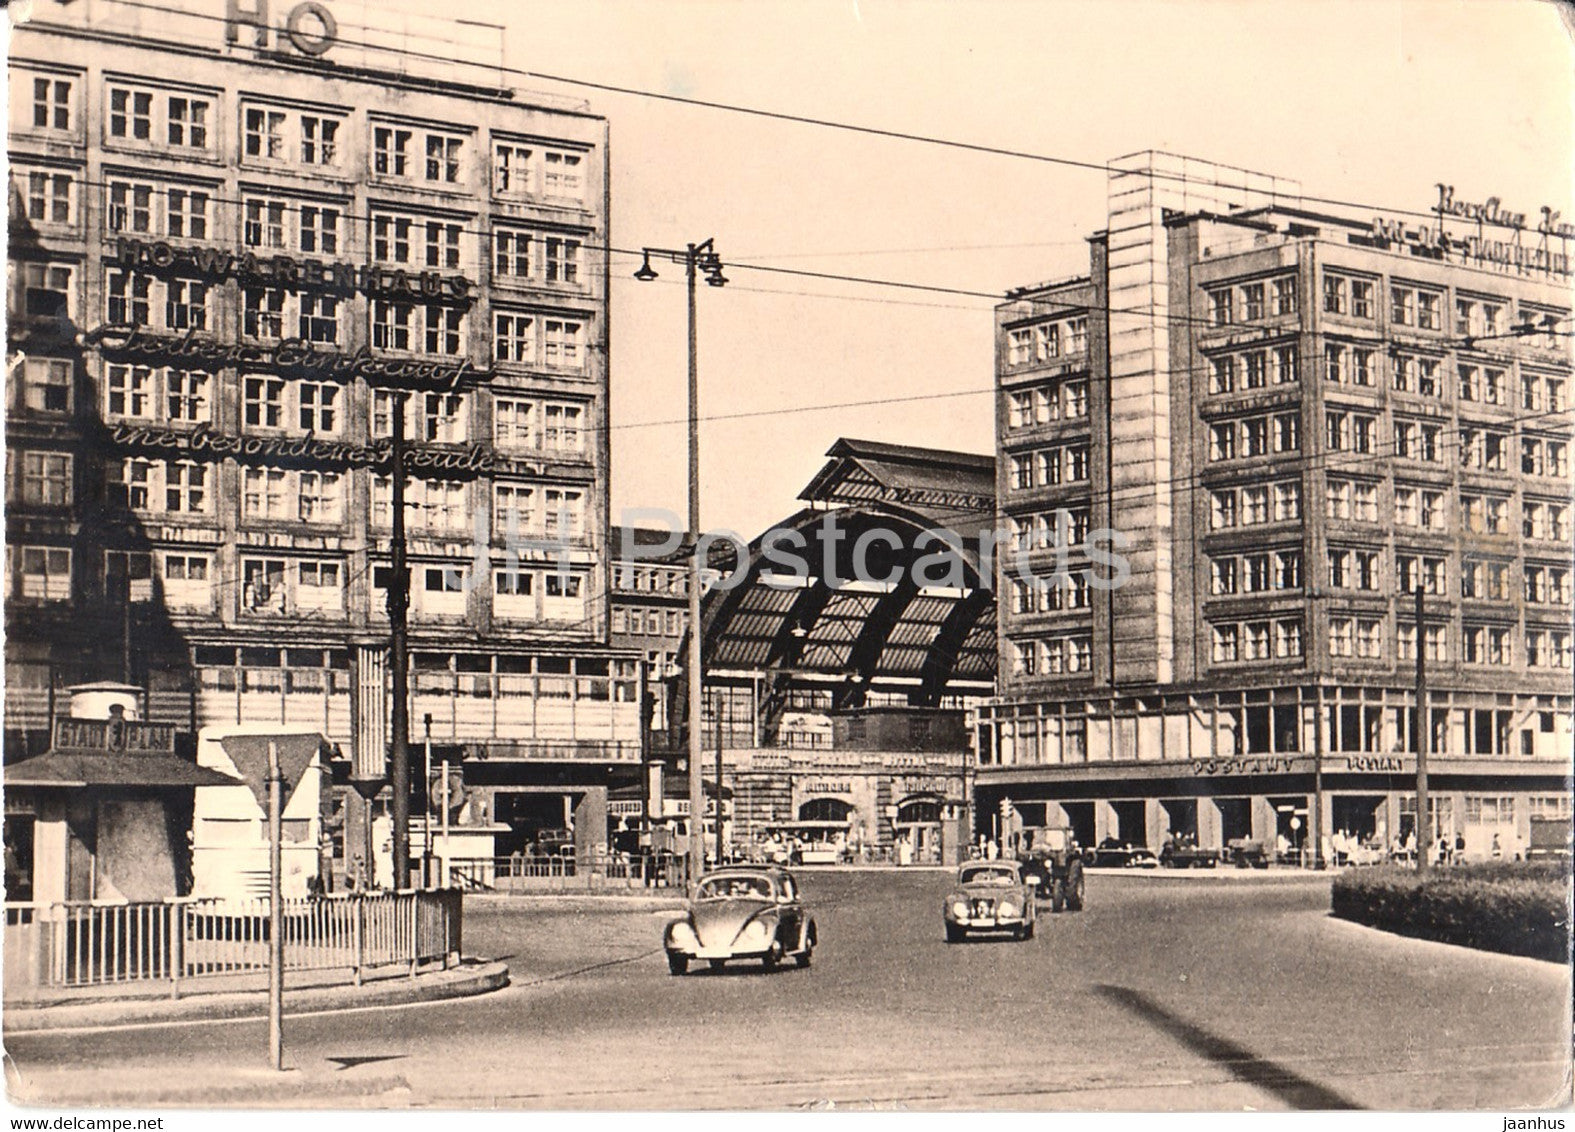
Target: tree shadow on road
x=1295, y=1090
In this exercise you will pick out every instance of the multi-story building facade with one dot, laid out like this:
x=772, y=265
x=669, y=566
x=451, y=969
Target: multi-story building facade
x=1295, y=419
x=236, y=251
x=649, y=608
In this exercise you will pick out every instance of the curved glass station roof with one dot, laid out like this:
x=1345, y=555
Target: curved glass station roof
x=874, y=585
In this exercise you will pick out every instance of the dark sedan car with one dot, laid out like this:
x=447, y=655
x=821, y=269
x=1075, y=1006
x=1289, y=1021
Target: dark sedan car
x=742, y=912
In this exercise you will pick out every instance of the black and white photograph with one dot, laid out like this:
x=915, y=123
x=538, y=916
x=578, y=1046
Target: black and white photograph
x=847, y=556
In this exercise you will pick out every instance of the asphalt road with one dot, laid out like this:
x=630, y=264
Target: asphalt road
x=1163, y=995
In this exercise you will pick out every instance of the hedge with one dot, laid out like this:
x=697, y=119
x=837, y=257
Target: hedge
x=1520, y=908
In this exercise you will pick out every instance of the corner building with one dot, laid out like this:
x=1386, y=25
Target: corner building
x=240, y=238
x=1296, y=419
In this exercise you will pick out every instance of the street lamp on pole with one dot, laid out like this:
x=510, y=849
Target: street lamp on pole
x=697, y=259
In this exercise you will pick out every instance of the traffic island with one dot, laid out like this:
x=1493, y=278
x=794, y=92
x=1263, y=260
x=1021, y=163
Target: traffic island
x=1518, y=908
x=243, y=997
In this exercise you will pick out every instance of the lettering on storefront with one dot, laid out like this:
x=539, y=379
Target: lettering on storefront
x=828, y=786
x=911, y=785
x=1263, y=764
x=309, y=27
x=290, y=354
x=1374, y=763
x=287, y=271
x=121, y=736
x=205, y=441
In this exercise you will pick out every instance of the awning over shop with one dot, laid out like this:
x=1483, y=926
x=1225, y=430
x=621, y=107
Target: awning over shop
x=76, y=769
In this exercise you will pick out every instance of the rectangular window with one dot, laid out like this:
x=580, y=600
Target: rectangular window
x=513, y=509
x=319, y=140
x=1252, y=301
x=561, y=175
x=391, y=239
x=1284, y=295
x=392, y=324
x=321, y=496
x=1337, y=498
x=1222, y=375
x=188, y=122
x=46, y=478
x=1335, y=298
x=264, y=493
x=1287, y=501
x=185, y=487
x=513, y=169
x=514, y=338
x=1225, y=643
x=185, y=304
x=1361, y=299
x=1222, y=441
x=46, y=290
x=186, y=213
x=49, y=197
x=563, y=513
x=52, y=104
x=130, y=114
x=390, y=151
x=263, y=585
x=319, y=229
x=512, y=422
x=47, y=384
x=129, y=390
x=262, y=404
x=263, y=312
x=45, y=573
x=1222, y=307
x=442, y=244
x=319, y=407
x=445, y=330
x=563, y=260
x=443, y=417
x=443, y=158
x=319, y=321
x=1283, y=365
x=187, y=397
x=561, y=429
x=262, y=224
x=511, y=253
x=563, y=344
x=262, y=133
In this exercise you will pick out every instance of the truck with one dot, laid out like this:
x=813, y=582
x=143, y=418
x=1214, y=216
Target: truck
x=1052, y=863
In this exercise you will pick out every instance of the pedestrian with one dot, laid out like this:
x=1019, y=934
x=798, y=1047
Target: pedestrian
x=1497, y=850
x=1460, y=848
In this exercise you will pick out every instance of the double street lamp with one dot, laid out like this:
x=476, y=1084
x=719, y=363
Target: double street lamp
x=698, y=259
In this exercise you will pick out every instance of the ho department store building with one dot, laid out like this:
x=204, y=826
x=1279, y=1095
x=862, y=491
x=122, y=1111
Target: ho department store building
x=1297, y=418
x=238, y=243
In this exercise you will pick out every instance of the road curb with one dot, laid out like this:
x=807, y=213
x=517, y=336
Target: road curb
x=472, y=978
x=1226, y=874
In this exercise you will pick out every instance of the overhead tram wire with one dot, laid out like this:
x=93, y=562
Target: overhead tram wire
x=824, y=123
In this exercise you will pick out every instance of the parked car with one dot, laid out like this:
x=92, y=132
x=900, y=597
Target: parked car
x=1185, y=855
x=1247, y=853
x=990, y=896
x=742, y=912
x=1113, y=854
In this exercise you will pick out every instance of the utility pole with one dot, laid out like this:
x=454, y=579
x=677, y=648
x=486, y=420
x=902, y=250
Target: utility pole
x=426, y=805
x=696, y=670
x=275, y=910
x=719, y=782
x=695, y=258
x=398, y=647
x=1424, y=729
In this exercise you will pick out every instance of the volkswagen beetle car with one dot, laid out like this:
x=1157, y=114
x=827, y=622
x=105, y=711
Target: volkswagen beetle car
x=742, y=912
x=990, y=896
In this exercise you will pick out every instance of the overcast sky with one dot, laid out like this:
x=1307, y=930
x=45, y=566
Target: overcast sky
x=1370, y=101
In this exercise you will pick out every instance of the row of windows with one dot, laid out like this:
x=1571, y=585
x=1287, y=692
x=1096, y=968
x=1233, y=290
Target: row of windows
x=1410, y=373
x=1250, y=302
x=166, y=394
x=273, y=314
x=1042, y=404
x=1047, y=341
x=1059, y=594
x=187, y=122
x=1048, y=466
x=650, y=579
x=187, y=580
x=1357, y=501
x=1363, y=638
x=1053, y=656
x=1253, y=369
x=1065, y=526
x=1256, y=573
x=1422, y=308
x=1246, y=437
x=1278, y=639
x=652, y=622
